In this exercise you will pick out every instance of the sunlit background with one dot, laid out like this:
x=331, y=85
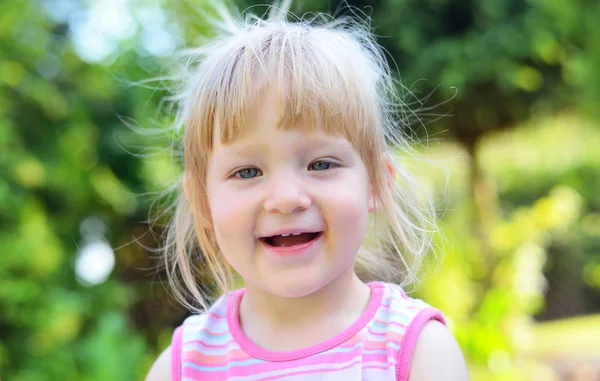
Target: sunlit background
x=515, y=168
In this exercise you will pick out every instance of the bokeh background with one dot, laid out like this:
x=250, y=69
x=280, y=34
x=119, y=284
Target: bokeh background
x=516, y=172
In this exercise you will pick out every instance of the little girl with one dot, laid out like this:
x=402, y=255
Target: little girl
x=289, y=161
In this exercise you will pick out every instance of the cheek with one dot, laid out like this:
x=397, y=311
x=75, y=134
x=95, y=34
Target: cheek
x=349, y=209
x=224, y=209
x=232, y=216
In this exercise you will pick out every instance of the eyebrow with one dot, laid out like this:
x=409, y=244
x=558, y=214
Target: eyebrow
x=228, y=151
x=242, y=148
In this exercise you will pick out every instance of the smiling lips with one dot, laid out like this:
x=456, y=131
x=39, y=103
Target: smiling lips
x=290, y=240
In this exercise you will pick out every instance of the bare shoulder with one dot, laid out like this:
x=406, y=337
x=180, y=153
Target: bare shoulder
x=161, y=370
x=437, y=356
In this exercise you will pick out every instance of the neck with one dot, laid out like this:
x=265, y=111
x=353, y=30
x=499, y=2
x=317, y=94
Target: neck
x=343, y=300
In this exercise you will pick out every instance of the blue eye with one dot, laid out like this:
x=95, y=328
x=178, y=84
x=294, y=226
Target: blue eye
x=320, y=166
x=248, y=173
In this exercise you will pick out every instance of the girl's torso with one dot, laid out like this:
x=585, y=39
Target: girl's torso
x=378, y=346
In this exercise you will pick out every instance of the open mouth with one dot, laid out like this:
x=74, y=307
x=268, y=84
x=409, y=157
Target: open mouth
x=288, y=240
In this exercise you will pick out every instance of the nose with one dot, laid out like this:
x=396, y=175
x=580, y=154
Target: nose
x=286, y=195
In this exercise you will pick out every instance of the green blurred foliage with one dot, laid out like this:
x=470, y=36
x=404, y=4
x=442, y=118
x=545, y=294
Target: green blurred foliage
x=503, y=60
x=493, y=286
x=521, y=211
x=62, y=160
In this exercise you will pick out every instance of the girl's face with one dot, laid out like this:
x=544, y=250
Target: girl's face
x=289, y=208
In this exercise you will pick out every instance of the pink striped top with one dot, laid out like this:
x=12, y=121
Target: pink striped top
x=378, y=346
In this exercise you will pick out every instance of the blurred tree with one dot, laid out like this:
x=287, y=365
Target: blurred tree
x=509, y=62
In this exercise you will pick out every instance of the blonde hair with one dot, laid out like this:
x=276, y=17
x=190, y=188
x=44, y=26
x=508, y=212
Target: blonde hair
x=325, y=71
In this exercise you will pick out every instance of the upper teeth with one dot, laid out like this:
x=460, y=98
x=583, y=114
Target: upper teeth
x=285, y=235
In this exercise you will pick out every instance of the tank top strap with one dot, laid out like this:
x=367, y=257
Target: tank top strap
x=402, y=318
x=199, y=333
x=176, y=355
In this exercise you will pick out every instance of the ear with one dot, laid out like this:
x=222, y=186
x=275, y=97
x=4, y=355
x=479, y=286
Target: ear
x=390, y=179
x=390, y=171
x=371, y=202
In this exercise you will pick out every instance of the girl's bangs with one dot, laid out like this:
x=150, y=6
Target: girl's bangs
x=314, y=89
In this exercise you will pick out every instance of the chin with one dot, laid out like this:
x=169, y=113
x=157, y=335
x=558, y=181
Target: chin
x=288, y=286
x=301, y=285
